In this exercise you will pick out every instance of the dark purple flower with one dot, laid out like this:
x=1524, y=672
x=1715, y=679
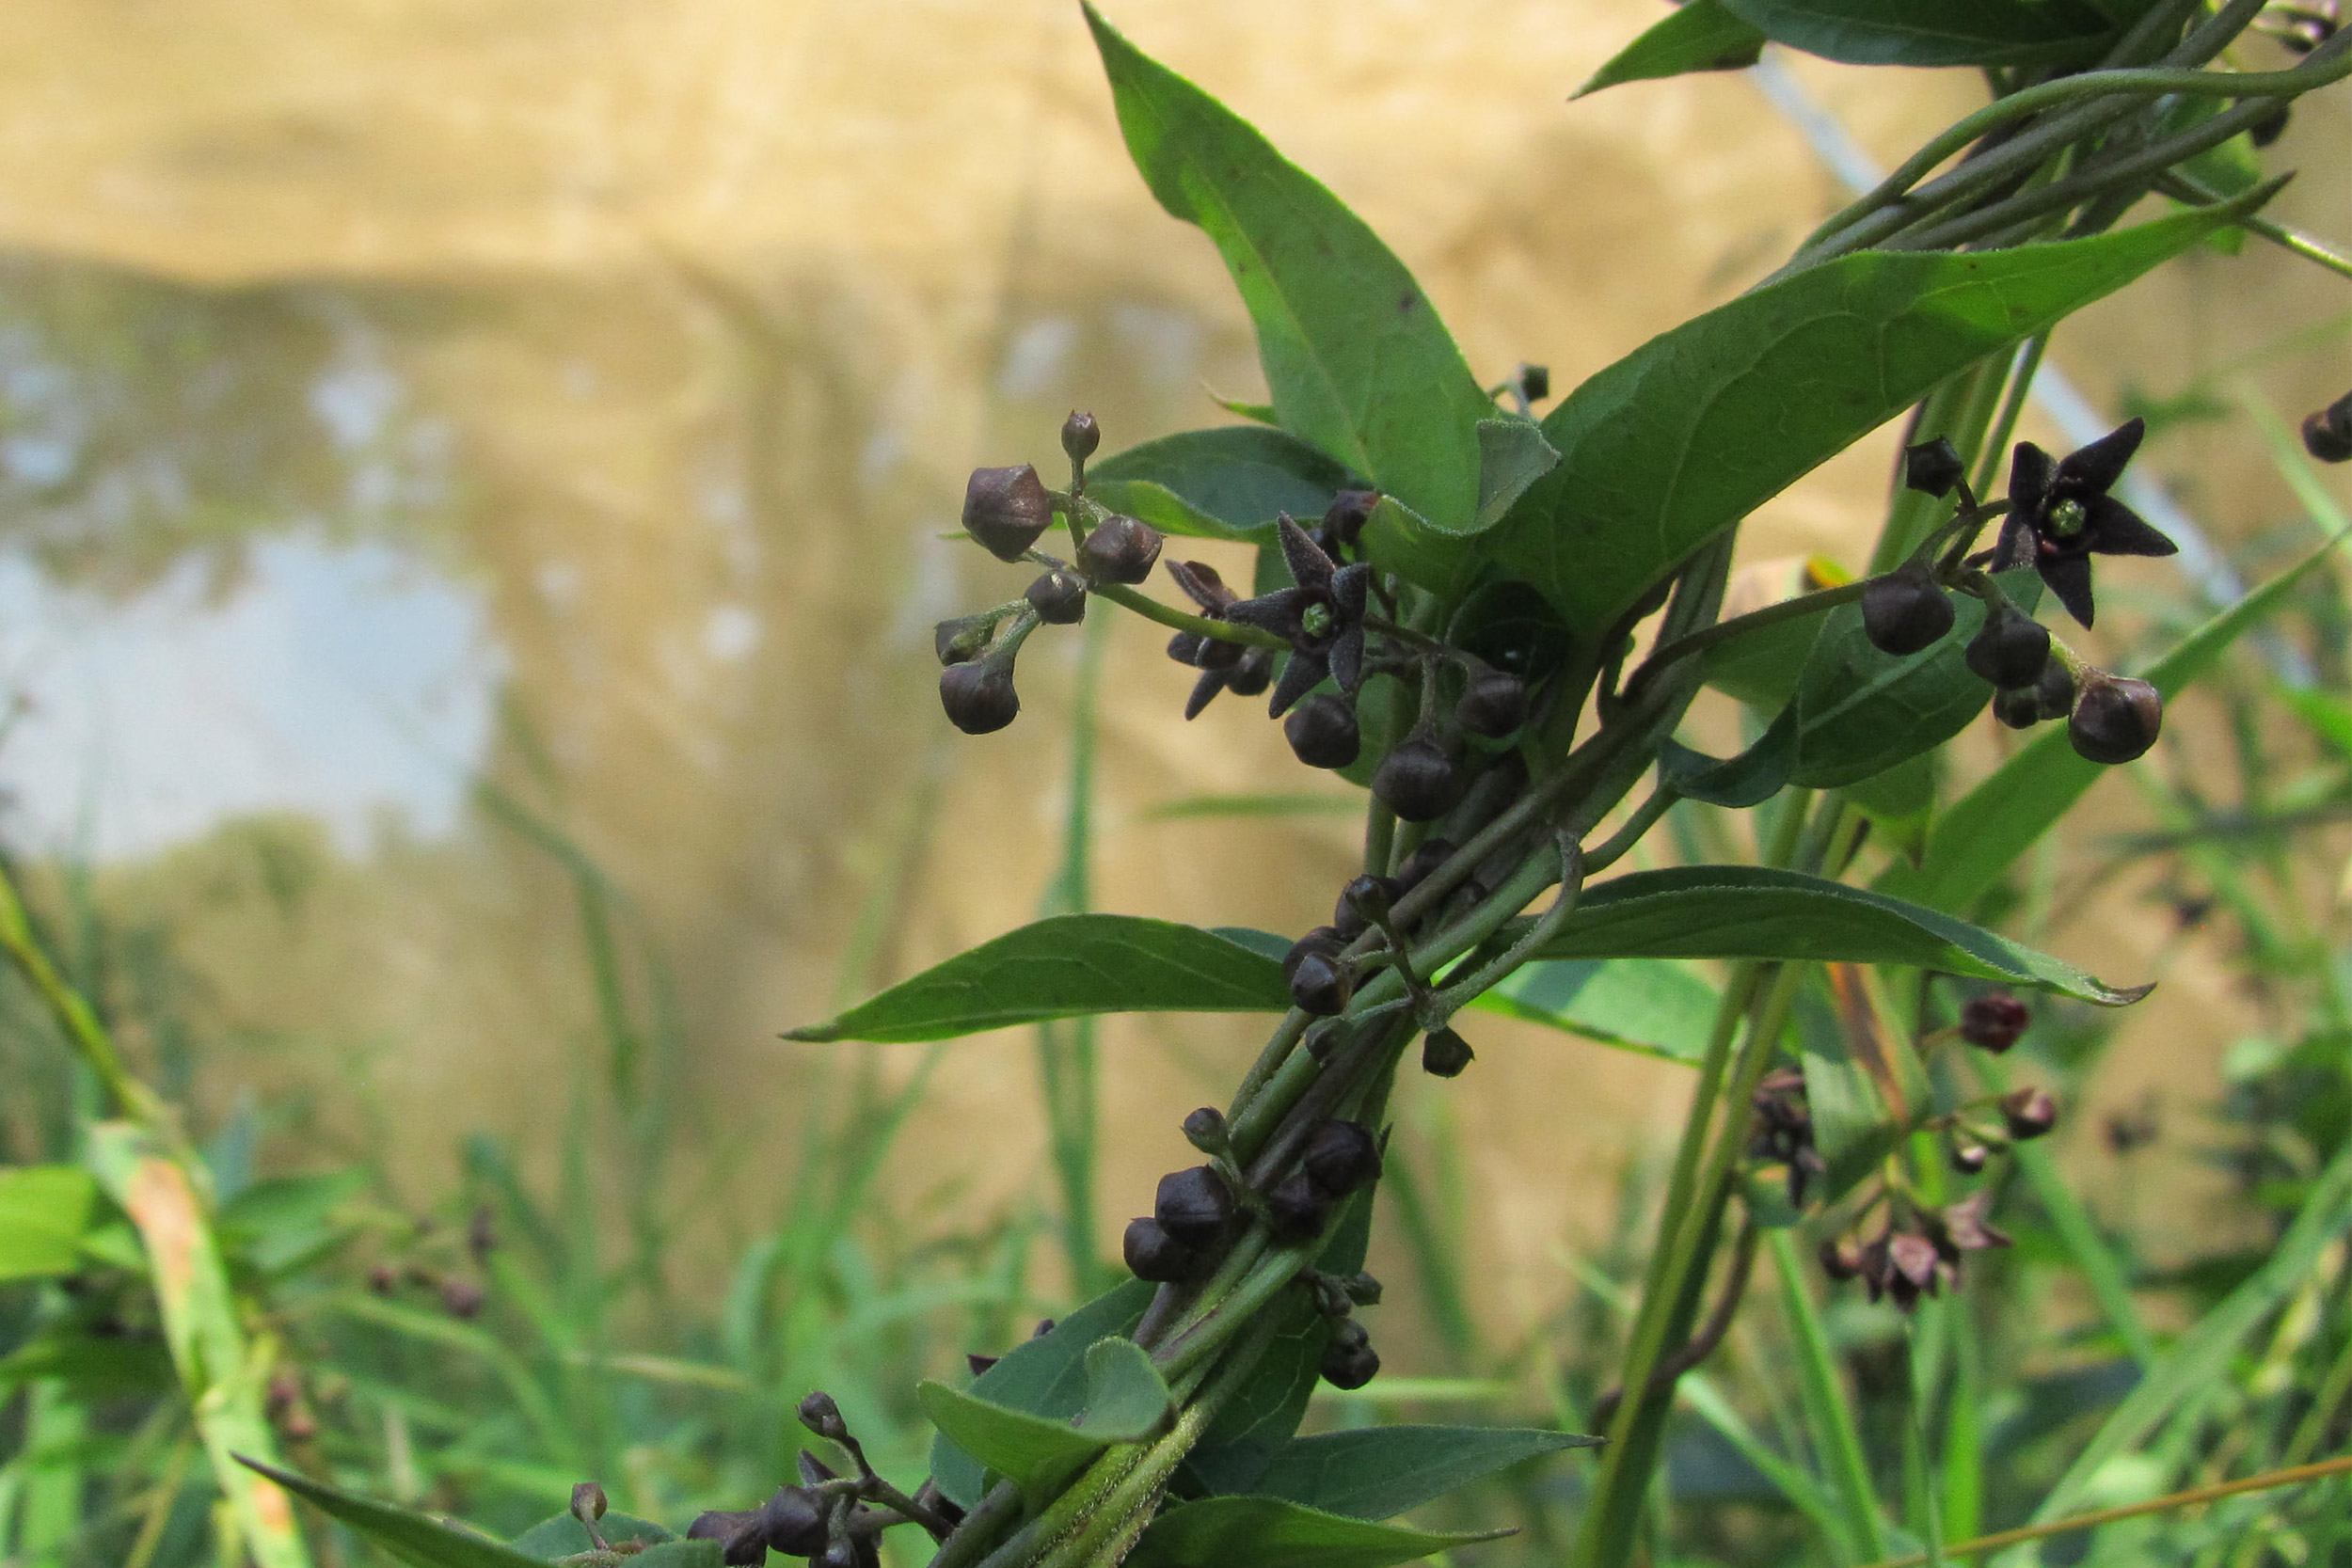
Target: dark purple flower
x=1322, y=617
x=1223, y=666
x=2060, y=515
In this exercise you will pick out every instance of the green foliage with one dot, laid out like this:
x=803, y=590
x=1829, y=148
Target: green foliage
x=1934, y=32
x=1229, y=482
x=1699, y=35
x=1269, y=1533
x=44, y=1213
x=1379, y=1472
x=416, y=1539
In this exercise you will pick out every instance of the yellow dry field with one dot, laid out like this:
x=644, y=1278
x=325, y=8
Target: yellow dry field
x=695, y=312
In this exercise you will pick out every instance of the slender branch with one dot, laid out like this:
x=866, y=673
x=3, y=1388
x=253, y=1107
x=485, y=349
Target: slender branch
x=2182, y=188
x=1168, y=615
x=1739, y=626
x=1702, y=1345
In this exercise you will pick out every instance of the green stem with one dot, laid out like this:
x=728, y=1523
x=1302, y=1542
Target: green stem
x=2181, y=188
x=1168, y=615
x=1754, y=620
x=1825, y=1399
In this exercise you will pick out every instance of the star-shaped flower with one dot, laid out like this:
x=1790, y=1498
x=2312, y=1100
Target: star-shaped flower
x=1223, y=666
x=2060, y=515
x=1322, y=617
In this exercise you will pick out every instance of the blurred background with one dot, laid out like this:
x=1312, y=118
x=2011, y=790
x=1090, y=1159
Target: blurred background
x=473, y=487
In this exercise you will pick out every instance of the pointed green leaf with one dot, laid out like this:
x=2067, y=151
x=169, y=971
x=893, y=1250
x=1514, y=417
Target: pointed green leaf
x=1975, y=840
x=416, y=1539
x=1750, y=779
x=1933, y=32
x=1379, y=1472
x=1358, y=362
x=1127, y=1400
x=1229, y=482
x=45, y=1211
x=1698, y=427
x=1658, y=1008
x=1044, y=1376
x=1027, y=1449
x=1743, y=911
x=564, y=1536
x=1269, y=1533
x=1701, y=35
x=1067, y=966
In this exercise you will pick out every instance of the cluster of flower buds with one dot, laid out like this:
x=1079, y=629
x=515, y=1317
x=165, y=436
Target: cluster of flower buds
x=1322, y=972
x=1007, y=511
x=1784, y=1133
x=2302, y=27
x=459, y=1296
x=831, y=1520
x=2327, y=434
x=1917, y=1252
x=2059, y=514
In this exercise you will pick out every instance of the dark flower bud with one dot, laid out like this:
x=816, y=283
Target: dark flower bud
x=794, y=1519
x=746, y=1543
x=1343, y=519
x=383, y=1280
x=1993, y=1023
x=1080, y=436
x=2028, y=1113
x=1841, y=1257
x=2328, y=435
x=1059, y=597
x=1253, y=673
x=821, y=1416
x=1433, y=853
x=1418, y=780
x=1205, y=1130
x=1193, y=1204
x=1933, y=467
x=1345, y=923
x=964, y=638
x=1362, y=1288
x=2116, y=718
x=1493, y=705
x=1121, y=549
x=1369, y=896
x=2010, y=649
x=1323, y=732
x=2268, y=129
x=2019, y=707
x=1444, y=1053
x=1297, y=1209
x=1322, y=941
x=1967, y=1156
x=463, y=1299
x=840, y=1552
x=1005, y=509
x=978, y=697
x=2053, y=689
x=588, y=1501
x=1348, y=1360
x=1154, y=1254
x=1534, y=382
x=1340, y=1157
x=482, y=1234
x=1905, y=610
x=1322, y=986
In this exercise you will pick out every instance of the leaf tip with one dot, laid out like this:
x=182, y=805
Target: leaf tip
x=2122, y=996
x=816, y=1033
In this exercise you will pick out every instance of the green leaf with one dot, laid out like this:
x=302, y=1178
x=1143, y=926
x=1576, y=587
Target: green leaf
x=279, y=1222
x=1067, y=966
x=1698, y=427
x=1702, y=35
x=1512, y=455
x=1030, y=1450
x=1127, y=1400
x=1975, y=840
x=1932, y=32
x=1269, y=1533
x=1750, y=779
x=1044, y=1376
x=1357, y=360
x=45, y=1211
x=90, y=1365
x=564, y=1536
x=416, y=1539
x=1741, y=912
x=1228, y=482
x=1658, y=1008
x=1379, y=1472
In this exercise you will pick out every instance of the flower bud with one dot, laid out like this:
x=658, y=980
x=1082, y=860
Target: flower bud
x=1253, y=673
x=1343, y=519
x=2328, y=435
x=1905, y=610
x=2268, y=129
x=1534, y=382
x=1967, y=1156
x=1193, y=1204
x=746, y=1543
x=2028, y=1113
x=1205, y=1130
x=1295, y=1208
x=1005, y=509
x=1933, y=467
x=1369, y=897
x=2053, y=689
x=1121, y=549
x=588, y=1501
x=1993, y=1023
x=1154, y=1254
x=1323, y=940
x=463, y=1299
x=2116, y=718
x=964, y=638
x=1493, y=705
x=1322, y=986
x=2010, y=649
x=1418, y=780
x=979, y=696
x=1841, y=1257
x=2018, y=706
x=821, y=1416
x=1444, y=1053
x=1059, y=597
x=1432, y=853
x=1323, y=732
x=1080, y=436
x=794, y=1519
x=1348, y=1360
x=1340, y=1157
x=840, y=1552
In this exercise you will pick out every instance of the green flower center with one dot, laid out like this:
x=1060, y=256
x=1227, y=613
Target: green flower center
x=1318, y=621
x=2068, y=518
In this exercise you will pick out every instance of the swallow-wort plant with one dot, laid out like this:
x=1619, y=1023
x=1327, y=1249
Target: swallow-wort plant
x=1495, y=624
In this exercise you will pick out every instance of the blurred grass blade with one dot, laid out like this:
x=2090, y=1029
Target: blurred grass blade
x=1066, y=1056
x=1828, y=1420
